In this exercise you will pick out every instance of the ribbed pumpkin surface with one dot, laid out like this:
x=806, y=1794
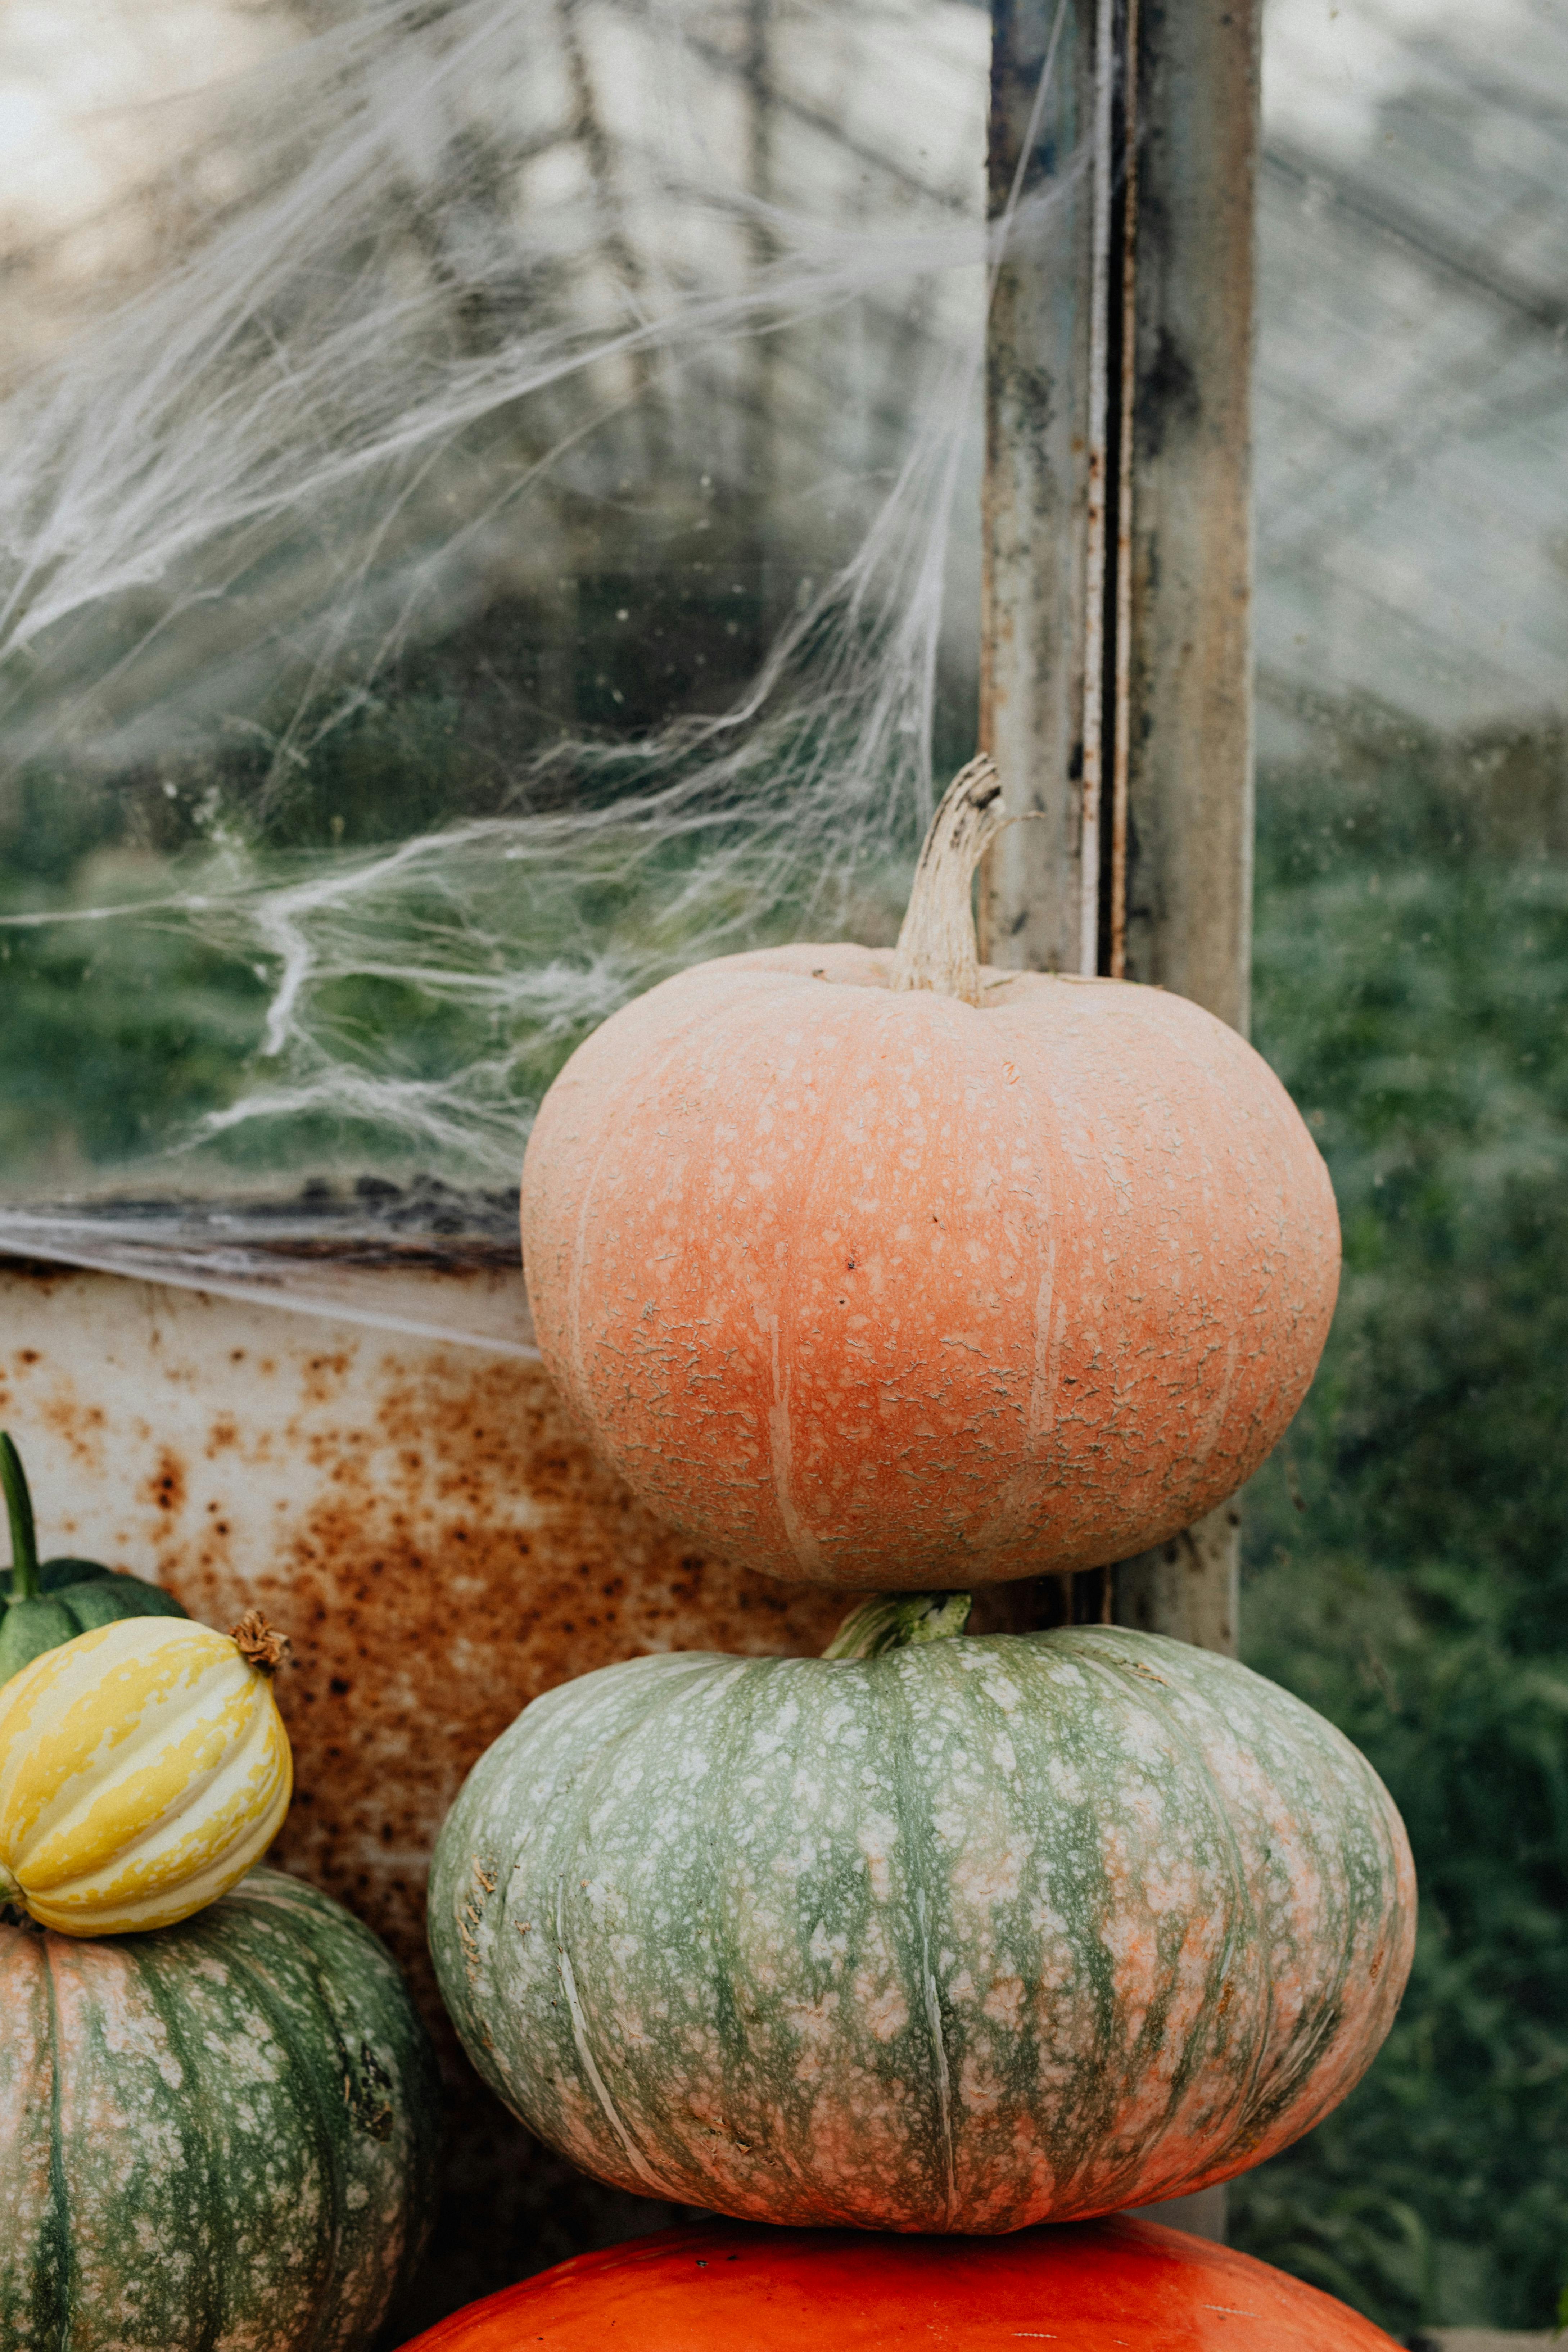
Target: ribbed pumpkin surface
x=882, y=1289
x=961, y=1937
x=1090, y=2289
x=220, y=2135
x=143, y=1768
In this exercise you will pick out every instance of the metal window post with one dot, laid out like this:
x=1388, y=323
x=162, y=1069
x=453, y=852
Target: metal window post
x=1116, y=665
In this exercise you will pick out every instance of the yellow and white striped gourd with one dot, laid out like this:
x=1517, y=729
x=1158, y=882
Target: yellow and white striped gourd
x=144, y=1768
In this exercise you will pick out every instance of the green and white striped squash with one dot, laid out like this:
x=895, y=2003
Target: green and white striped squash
x=216, y=2136
x=970, y=1935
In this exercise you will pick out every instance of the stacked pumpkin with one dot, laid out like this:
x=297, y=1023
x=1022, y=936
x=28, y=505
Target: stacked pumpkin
x=898, y=1273
x=216, y=2103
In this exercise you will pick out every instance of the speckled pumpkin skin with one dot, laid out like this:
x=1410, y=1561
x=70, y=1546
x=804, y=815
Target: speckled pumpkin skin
x=963, y=1937
x=216, y=2138
x=883, y=1290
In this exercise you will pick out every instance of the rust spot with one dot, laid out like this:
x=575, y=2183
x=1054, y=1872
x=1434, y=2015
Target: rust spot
x=167, y=1484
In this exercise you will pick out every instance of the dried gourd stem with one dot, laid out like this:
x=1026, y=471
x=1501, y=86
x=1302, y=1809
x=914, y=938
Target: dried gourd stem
x=936, y=947
x=258, y=1643
x=899, y=1620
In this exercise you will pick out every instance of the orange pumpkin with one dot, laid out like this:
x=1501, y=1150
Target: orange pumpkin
x=890, y=1270
x=1086, y=2289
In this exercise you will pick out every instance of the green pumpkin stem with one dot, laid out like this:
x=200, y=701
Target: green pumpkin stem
x=898, y=1621
x=19, y=1511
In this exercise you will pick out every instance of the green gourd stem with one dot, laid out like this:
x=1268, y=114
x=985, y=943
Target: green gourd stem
x=19, y=1511
x=899, y=1620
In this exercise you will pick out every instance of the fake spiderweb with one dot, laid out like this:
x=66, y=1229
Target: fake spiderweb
x=522, y=538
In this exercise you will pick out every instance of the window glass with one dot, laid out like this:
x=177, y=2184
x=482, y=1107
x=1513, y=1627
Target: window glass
x=492, y=506
x=1408, y=1543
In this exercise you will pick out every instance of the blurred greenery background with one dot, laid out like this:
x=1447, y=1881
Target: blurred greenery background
x=1407, y=1546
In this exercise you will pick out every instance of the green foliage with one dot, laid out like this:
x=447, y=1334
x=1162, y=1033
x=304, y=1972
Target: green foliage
x=1408, y=1545
x=118, y=1032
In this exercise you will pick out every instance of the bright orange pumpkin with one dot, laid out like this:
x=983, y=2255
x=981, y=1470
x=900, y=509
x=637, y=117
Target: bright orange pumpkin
x=887, y=1270
x=1086, y=2288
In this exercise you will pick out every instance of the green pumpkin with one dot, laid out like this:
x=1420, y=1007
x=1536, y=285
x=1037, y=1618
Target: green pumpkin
x=966, y=1934
x=45, y=1603
x=218, y=2134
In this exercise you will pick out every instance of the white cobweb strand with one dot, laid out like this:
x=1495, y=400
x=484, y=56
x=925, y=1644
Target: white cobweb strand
x=853, y=760
x=290, y=407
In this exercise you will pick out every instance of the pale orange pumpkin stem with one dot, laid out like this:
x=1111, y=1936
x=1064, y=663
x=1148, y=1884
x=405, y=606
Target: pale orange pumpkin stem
x=937, y=947
x=259, y=1644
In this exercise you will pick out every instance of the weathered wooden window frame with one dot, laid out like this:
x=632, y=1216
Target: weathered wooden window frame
x=1116, y=691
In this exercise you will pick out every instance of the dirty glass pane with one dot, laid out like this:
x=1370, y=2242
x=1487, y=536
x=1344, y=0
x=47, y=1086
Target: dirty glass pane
x=1409, y=1546
x=489, y=511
